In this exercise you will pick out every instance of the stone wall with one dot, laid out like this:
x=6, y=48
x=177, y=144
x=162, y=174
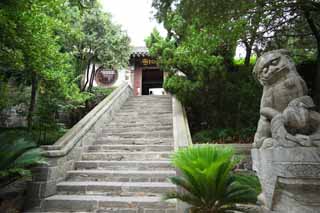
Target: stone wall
x=13, y=117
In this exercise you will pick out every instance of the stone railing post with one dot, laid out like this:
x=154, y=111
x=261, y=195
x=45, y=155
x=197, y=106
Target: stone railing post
x=182, y=137
x=68, y=149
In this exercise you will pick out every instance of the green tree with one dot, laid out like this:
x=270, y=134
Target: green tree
x=31, y=37
x=266, y=24
x=47, y=44
x=199, y=59
x=102, y=44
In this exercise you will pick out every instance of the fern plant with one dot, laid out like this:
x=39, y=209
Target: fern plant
x=208, y=181
x=16, y=158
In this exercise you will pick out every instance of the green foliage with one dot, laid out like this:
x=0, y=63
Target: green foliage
x=241, y=61
x=199, y=58
x=99, y=93
x=210, y=185
x=16, y=158
x=229, y=100
x=96, y=96
x=224, y=136
x=108, y=44
x=289, y=26
x=37, y=135
x=46, y=45
x=4, y=95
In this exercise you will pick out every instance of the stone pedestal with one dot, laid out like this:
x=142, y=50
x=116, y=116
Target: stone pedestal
x=290, y=179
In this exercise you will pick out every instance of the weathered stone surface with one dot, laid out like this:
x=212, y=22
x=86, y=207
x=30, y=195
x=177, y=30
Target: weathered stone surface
x=289, y=185
x=14, y=116
x=110, y=175
x=123, y=168
x=67, y=150
x=124, y=165
x=131, y=148
x=287, y=153
x=281, y=82
x=115, y=188
x=126, y=156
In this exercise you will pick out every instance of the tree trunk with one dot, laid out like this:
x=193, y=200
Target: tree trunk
x=93, y=73
x=248, y=56
x=34, y=88
x=316, y=33
x=87, y=76
x=249, y=47
x=316, y=83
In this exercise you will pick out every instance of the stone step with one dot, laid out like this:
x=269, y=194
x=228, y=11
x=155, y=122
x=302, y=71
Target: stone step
x=145, y=109
x=115, y=129
x=159, y=97
x=144, y=100
x=141, y=112
x=104, y=204
x=123, y=165
x=139, y=125
x=119, y=176
x=150, y=100
x=151, y=103
x=138, y=141
x=145, y=134
x=125, y=156
x=130, y=148
x=144, y=113
x=148, y=105
x=142, y=120
x=115, y=188
x=134, y=117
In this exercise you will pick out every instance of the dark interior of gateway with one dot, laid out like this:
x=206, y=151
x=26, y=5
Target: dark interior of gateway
x=151, y=78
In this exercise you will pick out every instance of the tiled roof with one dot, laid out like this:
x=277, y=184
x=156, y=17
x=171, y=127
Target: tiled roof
x=140, y=51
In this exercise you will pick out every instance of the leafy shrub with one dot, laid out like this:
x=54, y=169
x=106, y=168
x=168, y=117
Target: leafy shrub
x=208, y=180
x=227, y=135
x=98, y=94
x=240, y=61
x=36, y=135
x=75, y=114
x=16, y=159
x=221, y=100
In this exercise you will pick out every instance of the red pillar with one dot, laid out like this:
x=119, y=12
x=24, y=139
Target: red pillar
x=137, y=82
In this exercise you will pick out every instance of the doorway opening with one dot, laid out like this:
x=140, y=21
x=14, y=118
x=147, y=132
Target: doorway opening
x=151, y=79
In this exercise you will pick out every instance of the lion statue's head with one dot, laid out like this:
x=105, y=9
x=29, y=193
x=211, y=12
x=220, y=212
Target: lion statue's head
x=273, y=66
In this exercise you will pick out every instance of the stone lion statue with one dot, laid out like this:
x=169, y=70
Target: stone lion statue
x=281, y=83
x=298, y=125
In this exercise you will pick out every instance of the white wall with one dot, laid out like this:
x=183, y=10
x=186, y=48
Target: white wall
x=124, y=75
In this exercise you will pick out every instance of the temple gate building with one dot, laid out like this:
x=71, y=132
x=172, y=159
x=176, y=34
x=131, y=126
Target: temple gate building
x=143, y=74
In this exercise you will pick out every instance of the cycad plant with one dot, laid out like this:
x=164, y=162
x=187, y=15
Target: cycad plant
x=208, y=182
x=16, y=158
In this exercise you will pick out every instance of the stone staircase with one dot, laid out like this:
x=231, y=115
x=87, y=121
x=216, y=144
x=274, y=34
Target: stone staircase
x=127, y=167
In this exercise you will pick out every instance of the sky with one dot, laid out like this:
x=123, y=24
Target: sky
x=135, y=16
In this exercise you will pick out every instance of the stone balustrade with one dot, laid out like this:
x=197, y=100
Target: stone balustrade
x=69, y=148
x=181, y=135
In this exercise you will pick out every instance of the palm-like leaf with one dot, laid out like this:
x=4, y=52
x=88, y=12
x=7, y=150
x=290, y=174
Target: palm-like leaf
x=16, y=158
x=208, y=180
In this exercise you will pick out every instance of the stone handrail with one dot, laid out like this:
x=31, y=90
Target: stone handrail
x=181, y=132
x=68, y=149
x=181, y=136
x=73, y=136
